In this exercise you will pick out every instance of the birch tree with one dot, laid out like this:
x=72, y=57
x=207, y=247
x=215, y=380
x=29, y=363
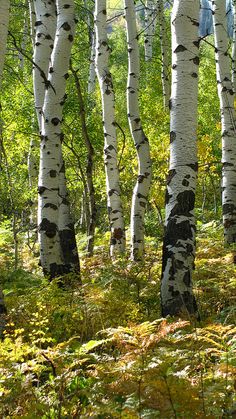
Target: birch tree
x=4, y=22
x=234, y=47
x=45, y=29
x=58, y=252
x=149, y=29
x=165, y=77
x=33, y=179
x=228, y=117
x=115, y=211
x=141, y=189
x=179, y=236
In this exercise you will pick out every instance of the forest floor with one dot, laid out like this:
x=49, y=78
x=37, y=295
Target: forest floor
x=102, y=350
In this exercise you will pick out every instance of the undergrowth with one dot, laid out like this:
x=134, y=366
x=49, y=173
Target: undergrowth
x=101, y=350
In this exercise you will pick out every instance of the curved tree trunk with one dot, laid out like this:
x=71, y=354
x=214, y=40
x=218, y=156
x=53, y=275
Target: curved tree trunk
x=179, y=237
x=228, y=118
x=52, y=188
x=115, y=211
x=165, y=77
x=142, y=186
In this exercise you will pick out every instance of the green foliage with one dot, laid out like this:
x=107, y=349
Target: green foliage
x=100, y=350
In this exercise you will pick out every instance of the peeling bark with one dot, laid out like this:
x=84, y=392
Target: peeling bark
x=179, y=236
x=115, y=211
x=141, y=189
x=228, y=118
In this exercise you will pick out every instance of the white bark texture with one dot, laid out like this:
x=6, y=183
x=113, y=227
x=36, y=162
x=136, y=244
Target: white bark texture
x=228, y=118
x=32, y=20
x=115, y=211
x=92, y=71
x=165, y=77
x=179, y=236
x=33, y=179
x=149, y=29
x=45, y=29
x=234, y=48
x=24, y=37
x=51, y=186
x=141, y=189
x=4, y=21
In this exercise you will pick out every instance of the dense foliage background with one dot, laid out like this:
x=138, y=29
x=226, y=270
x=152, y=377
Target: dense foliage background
x=101, y=350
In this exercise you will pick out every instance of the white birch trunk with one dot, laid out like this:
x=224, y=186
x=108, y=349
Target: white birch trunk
x=92, y=70
x=228, y=118
x=115, y=211
x=234, y=48
x=24, y=37
x=4, y=21
x=33, y=179
x=32, y=21
x=165, y=77
x=179, y=237
x=52, y=254
x=141, y=189
x=149, y=29
x=45, y=28
x=66, y=225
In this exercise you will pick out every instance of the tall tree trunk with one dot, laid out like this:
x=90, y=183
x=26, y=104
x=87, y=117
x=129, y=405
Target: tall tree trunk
x=164, y=54
x=228, y=118
x=115, y=211
x=66, y=225
x=24, y=37
x=149, y=29
x=234, y=48
x=4, y=21
x=32, y=20
x=33, y=179
x=92, y=71
x=52, y=187
x=92, y=43
x=142, y=186
x=179, y=236
x=45, y=29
